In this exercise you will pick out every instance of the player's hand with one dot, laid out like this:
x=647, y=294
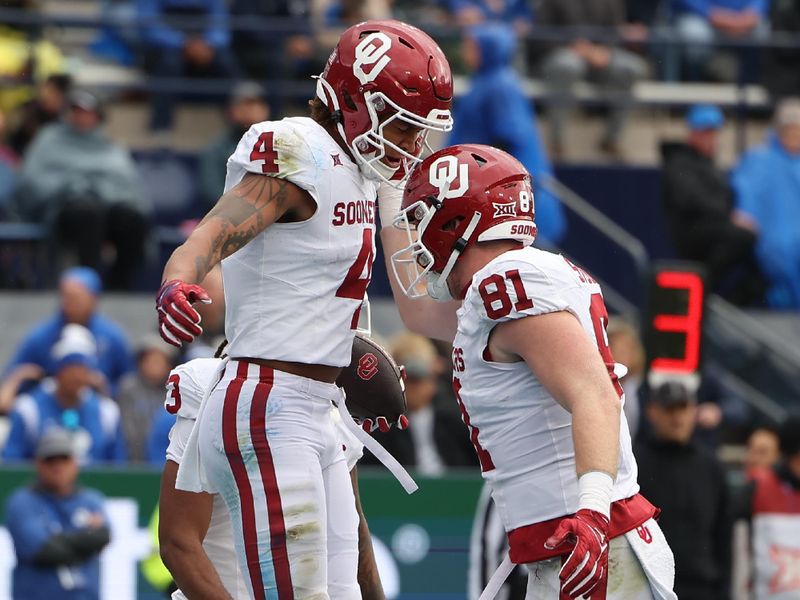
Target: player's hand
x=178, y=321
x=383, y=424
x=587, y=565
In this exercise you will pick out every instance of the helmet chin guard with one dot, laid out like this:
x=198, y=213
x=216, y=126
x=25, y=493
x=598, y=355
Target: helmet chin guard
x=417, y=257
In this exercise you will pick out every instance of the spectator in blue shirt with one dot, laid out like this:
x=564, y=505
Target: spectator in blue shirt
x=173, y=50
x=495, y=111
x=516, y=13
x=58, y=529
x=767, y=185
x=79, y=291
x=67, y=400
x=698, y=23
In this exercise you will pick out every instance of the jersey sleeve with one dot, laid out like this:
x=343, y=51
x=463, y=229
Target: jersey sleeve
x=512, y=289
x=187, y=385
x=276, y=149
x=178, y=437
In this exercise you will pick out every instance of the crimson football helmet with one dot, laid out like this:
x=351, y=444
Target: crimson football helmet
x=455, y=198
x=380, y=71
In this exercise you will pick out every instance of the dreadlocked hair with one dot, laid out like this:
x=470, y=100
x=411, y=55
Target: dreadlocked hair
x=320, y=113
x=220, y=353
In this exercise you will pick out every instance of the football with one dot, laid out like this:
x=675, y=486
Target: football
x=373, y=383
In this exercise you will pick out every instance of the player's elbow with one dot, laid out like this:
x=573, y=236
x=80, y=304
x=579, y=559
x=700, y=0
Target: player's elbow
x=176, y=548
x=612, y=402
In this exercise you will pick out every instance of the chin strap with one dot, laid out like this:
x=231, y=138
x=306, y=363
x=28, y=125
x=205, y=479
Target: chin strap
x=458, y=247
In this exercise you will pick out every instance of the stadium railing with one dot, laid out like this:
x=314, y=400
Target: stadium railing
x=665, y=94
x=749, y=359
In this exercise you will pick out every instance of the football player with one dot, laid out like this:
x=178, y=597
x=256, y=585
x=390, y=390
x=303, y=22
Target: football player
x=533, y=376
x=195, y=535
x=294, y=231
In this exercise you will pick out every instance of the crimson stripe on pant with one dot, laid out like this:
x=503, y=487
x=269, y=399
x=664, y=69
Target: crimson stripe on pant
x=277, y=527
x=230, y=440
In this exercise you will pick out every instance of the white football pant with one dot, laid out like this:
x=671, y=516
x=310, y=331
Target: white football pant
x=268, y=446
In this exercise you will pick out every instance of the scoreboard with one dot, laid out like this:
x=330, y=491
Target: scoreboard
x=673, y=330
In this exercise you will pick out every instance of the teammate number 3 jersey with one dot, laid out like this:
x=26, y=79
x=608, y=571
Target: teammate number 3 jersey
x=522, y=435
x=295, y=291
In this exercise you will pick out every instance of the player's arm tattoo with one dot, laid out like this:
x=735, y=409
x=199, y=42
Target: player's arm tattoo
x=238, y=216
x=241, y=212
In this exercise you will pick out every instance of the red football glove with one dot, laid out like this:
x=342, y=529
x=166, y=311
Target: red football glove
x=587, y=565
x=178, y=321
x=383, y=424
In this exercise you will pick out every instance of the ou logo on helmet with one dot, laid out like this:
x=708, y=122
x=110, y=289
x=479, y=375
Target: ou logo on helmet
x=446, y=170
x=372, y=51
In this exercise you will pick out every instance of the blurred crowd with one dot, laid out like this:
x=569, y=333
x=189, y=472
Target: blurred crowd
x=96, y=205
x=78, y=391
x=94, y=202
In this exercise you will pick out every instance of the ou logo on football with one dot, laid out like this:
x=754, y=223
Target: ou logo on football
x=444, y=171
x=367, y=366
x=372, y=51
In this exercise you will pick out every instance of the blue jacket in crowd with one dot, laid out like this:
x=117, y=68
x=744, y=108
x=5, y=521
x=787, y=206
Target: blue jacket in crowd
x=32, y=517
x=114, y=356
x=767, y=186
x=495, y=111
x=160, y=32
x=96, y=421
x=506, y=12
x=704, y=7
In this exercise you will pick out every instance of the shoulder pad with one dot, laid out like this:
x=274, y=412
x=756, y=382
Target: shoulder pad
x=511, y=287
x=277, y=149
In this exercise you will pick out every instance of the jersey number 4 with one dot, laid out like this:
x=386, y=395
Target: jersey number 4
x=354, y=285
x=264, y=149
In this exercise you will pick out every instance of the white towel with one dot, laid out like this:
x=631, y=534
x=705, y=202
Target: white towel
x=191, y=476
x=654, y=554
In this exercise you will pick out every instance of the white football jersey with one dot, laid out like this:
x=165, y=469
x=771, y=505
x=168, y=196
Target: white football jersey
x=523, y=437
x=187, y=386
x=295, y=291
